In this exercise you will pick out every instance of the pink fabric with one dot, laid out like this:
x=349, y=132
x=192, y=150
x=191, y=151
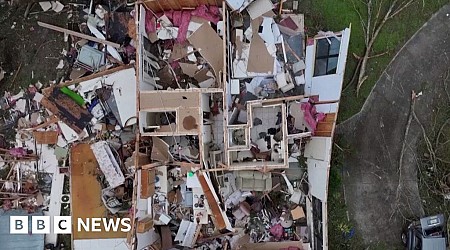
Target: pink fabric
x=311, y=116
x=17, y=152
x=277, y=231
x=212, y=14
x=181, y=18
x=150, y=22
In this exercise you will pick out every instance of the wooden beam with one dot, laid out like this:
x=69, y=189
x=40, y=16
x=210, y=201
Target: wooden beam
x=95, y=75
x=185, y=164
x=18, y=194
x=325, y=102
x=282, y=99
x=151, y=165
x=53, y=119
x=78, y=34
x=217, y=216
x=280, y=7
x=174, y=163
x=215, y=169
x=224, y=45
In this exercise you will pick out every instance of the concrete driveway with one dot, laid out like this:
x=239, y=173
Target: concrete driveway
x=376, y=135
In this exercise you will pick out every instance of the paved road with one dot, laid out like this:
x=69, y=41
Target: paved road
x=376, y=134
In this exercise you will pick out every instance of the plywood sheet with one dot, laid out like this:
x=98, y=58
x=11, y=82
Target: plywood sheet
x=168, y=100
x=210, y=45
x=189, y=68
x=259, y=7
x=87, y=204
x=259, y=60
x=46, y=137
x=188, y=119
x=160, y=150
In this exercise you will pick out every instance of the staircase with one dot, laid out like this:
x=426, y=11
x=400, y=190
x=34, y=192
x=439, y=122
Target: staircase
x=325, y=127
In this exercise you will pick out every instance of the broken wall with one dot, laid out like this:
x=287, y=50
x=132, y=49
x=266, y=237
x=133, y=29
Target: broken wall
x=329, y=86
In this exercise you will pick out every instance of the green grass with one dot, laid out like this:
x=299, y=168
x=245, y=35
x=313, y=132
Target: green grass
x=338, y=221
x=336, y=15
x=434, y=183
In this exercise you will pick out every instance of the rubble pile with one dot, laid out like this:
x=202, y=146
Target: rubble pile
x=91, y=104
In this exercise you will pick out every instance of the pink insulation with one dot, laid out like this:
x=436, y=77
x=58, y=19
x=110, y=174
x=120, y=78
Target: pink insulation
x=311, y=116
x=211, y=14
x=181, y=19
x=150, y=22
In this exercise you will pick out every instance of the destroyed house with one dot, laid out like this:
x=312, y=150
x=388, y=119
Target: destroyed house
x=208, y=124
x=238, y=105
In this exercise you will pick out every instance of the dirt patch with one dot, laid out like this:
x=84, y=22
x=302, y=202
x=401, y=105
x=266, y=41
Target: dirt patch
x=29, y=53
x=381, y=193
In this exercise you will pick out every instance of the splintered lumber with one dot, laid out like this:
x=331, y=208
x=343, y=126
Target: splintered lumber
x=78, y=34
x=152, y=165
x=96, y=75
x=217, y=216
x=53, y=119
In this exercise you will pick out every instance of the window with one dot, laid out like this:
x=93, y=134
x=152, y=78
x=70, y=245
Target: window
x=327, y=53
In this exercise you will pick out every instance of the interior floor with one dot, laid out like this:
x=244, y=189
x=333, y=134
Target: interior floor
x=265, y=121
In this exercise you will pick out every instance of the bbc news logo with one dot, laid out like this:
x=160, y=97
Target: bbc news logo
x=63, y=225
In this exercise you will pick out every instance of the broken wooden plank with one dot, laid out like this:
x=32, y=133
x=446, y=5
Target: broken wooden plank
x=78, y=34
x=217, y=216
x=185, y=164
x=53, y=119
x=95, y=75
x=174, y=163
x=152, y=165
x=144, y=225
x=208, y=42
x=66, y=110
x=147, y=183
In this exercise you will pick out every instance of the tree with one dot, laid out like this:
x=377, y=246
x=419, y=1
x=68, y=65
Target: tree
x=378, y=13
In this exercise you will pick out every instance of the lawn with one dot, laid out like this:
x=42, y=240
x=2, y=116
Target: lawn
x=336, y=15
